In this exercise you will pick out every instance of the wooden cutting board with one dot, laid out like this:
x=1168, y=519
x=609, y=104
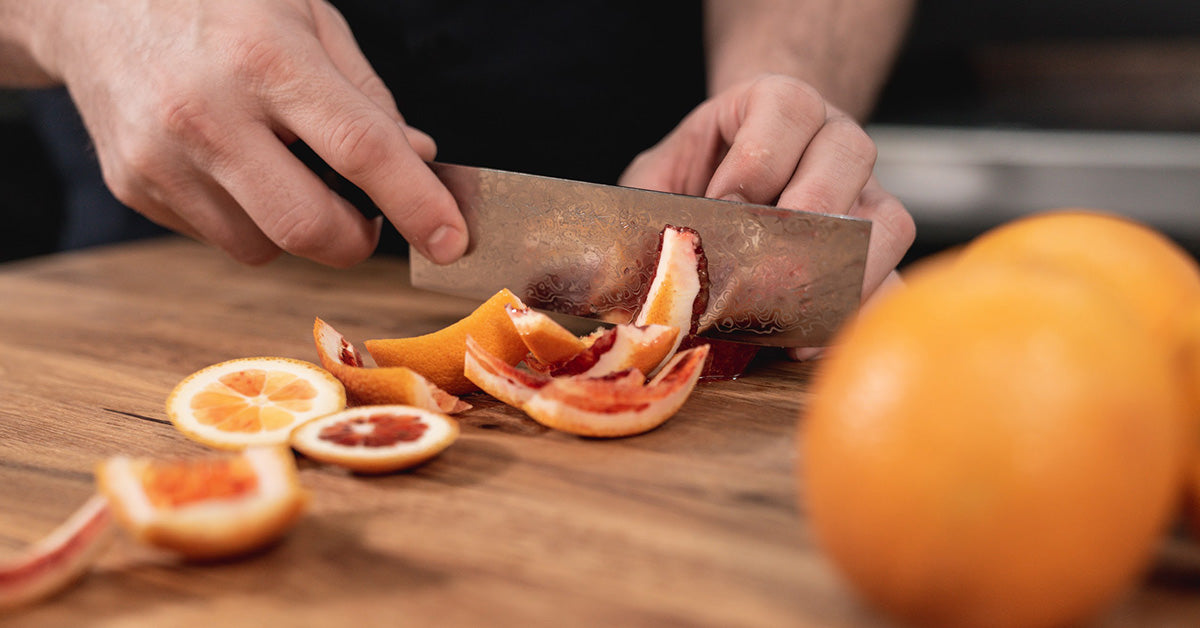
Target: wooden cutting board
x=693, y=524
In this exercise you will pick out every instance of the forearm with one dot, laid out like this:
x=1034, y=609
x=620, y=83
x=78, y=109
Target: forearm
x=844, y=48
x=20, y=44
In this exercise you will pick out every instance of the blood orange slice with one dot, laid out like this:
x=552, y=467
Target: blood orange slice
x=621, y=348
x=62, y=557
x=394, y=385
x=555, y=350
x=617, y=404
x=438, y=356
x=376, y=439
x=587, y=407
x=252, y=401
x=206, y=508
x=678, y=294
x=512, y=385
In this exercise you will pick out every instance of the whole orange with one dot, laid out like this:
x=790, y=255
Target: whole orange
x=1155, y=275
x=992, y=447
x=1152, y=274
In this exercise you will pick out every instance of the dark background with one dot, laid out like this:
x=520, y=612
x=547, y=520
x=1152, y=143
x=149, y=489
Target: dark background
x=1104, y=68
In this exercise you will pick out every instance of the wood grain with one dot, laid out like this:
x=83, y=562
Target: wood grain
x=694, y=524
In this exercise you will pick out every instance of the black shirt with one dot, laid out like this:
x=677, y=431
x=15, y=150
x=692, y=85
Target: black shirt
x=567, y=89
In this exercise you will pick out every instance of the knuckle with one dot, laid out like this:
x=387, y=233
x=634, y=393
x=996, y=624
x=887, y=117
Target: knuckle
x=187, y=120
x=856, y=144
x=300, y=231
x=757, y=163
x=796, y=100
x=358, y=141
x=420, y=205
x=900, y=224
x=259, y=56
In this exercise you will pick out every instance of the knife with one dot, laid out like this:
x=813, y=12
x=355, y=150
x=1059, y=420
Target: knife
x=778, y=277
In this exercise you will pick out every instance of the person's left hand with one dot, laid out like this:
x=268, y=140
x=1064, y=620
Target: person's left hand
x=775, y=141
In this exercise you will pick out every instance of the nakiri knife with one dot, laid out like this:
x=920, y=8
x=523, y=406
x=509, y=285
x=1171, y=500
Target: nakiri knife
x=778, y=277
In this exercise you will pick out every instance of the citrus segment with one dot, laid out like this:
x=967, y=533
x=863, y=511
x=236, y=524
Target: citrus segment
x=439, y=356
x=678, y=293
x=376, y=439
x=206, y=508
x=252, y=401
x=992, y=446
x=58, y=560
x=378, y=386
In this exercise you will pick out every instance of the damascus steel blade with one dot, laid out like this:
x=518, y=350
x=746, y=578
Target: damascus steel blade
x=778, y=277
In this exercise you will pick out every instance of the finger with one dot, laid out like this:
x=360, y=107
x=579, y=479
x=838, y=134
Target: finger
x=892, y=233
x=833, y=170
x=289, y=204
x=366, y=146
x=768, y=130
x=336, y=37
x=202, y=209
x=190, y=203
x=160, y=215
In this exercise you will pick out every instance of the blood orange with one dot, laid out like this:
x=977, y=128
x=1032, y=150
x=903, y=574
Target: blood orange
x=206, y=508
x=376, y=439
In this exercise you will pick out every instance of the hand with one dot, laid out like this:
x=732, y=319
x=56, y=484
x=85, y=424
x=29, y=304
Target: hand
x=775, y=141
x=191, y=105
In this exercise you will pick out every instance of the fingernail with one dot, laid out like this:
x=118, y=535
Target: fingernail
x=446, y=244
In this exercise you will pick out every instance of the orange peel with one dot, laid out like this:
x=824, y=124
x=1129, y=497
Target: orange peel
x=58, y=560
x=546, y=340
x=395, y=385
x=438, y=356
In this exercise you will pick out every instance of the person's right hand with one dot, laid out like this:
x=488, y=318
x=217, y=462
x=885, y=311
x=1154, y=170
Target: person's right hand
x=191, y=105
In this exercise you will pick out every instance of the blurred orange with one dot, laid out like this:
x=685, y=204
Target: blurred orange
x=994, y=445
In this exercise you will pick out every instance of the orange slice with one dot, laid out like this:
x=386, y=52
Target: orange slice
x=617, y=404
x=376, y=439
x=438, y=356
x=58, y=560
x=396, y=385
x=206, y=508
x=252, y=401
x=678, y=294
